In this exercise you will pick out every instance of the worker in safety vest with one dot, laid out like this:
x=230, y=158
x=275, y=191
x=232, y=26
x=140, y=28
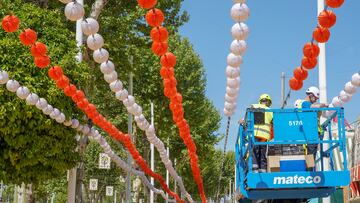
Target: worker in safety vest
x=312, y=95
x=262, y=133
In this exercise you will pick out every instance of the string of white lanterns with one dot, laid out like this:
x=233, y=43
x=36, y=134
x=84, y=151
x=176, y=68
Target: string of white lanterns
x=346, y=94
x=34, y=100
x=95, y=42
x=240, y=31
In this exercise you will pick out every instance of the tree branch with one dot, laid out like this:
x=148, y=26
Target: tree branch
x=97, y=8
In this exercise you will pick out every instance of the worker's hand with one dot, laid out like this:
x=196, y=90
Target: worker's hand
x=242, y=121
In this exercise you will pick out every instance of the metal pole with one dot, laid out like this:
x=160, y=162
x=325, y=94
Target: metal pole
x=79, y=35
x=1, y=189
x=71, y=190
x=167, y=175
x=129, y=159
x=152, y=155
x=175, y=183
x=282, y=89
x=115, y=196
x=322, y=87
x=230, y=191
x=71, y=185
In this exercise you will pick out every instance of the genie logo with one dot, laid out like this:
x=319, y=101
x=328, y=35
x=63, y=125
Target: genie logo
x=296, y=180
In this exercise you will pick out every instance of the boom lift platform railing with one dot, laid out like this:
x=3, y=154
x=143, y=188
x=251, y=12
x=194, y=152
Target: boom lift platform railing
x=291, y=126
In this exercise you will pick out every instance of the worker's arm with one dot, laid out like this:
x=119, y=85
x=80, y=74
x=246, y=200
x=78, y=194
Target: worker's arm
x=320, y=105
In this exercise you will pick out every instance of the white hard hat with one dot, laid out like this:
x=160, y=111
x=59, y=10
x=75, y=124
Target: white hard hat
x=313, y=90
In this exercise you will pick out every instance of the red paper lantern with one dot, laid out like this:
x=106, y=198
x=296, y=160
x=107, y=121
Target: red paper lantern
x=38, y=49
x=334, y=3
x=42, y=61
x=311, y=50
x=321, y=34
x=70, y=90
x=159, y=48
x=168, y=60
x=55, y=72
x=308, y=63
x=78, y=96
x=154, y=17
x=177, y=99
x=295, y=84
x=327, y=19
x=147, y=4
x=300, y=74
x=10, y=23
x=166, y=72
x=192, y=147
x=28, y=37
x=62, y=82
x=159, y=34
x=83, y=104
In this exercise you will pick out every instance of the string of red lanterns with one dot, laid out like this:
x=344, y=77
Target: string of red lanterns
x=311, y=51
x=29, y=38
x=155, y=18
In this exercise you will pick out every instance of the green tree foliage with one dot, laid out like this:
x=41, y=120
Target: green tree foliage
x=127, y=40
x=34, y=147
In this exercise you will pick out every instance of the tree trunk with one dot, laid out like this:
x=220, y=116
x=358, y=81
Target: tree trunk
x=97, y=7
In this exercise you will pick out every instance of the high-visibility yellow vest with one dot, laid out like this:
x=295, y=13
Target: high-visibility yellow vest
x=263, y=131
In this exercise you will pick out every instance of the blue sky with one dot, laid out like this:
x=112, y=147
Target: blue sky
x=278, y=31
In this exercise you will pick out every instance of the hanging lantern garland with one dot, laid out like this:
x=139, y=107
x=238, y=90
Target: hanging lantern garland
x=62, y=82
x=33, y=99
x=346, y=94
x=95, y=41
x=154, y=18
x=311, y=51
x=240, y=31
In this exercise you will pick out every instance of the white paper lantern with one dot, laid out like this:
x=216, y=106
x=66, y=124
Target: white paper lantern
x=22, y=92
x=116, y=86
x=355, y=79
x=130, y=101
x=41, y=104
x=95, y=42
x=32, y=99
x=60, y=118
x=101, y=55
x=240, y=31
x=232, y=92
x=122, y=95
x=239, y=1
x=65, y=1
x=141, y=118
x=239, y=12
x=230, y=99
x=150, y=130
x=75, y=123
x=238, y=47
x=4, y=77
x=336, y=102
x=67, y=123
x=74, y=11
x=12, y=85
x=138, y=110
x=232, y=72
x=233, y=82
x=48, y=110
x=234, y=60
x=345, y=97
x=131, y=109
x=349, y=88
x=228, y=113
x=107, y=67
x=85, y=130
x=230, y=106
x=90, y=26
x=112, y=77
x=79, y=128
x=55, y=113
